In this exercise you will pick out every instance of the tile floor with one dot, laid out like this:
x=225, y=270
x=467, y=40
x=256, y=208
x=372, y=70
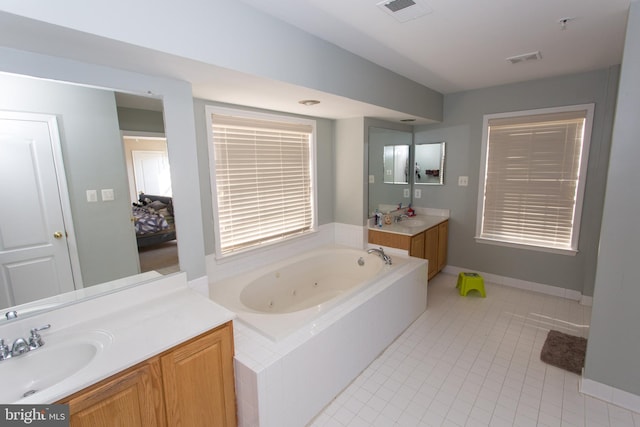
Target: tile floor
x=470, y=361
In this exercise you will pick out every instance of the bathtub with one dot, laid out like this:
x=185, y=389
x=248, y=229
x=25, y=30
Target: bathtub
x=308, y=326
x=286, y=297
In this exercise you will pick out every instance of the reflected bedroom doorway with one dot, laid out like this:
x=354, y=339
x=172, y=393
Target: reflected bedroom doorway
x=152, y=204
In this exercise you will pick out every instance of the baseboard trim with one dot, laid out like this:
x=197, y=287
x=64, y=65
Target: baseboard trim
x=609, y=394
x=523, y=284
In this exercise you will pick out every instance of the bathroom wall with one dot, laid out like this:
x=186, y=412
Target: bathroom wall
x=324, y=172
x=614, y=337
x=201, y=30
x=137, y=120
x=349, y=160
x=462, y=131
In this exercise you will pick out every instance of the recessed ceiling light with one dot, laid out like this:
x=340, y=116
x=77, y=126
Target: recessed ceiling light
x=309, y=102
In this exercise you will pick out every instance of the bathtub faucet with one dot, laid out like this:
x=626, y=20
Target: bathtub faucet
x=385, y=257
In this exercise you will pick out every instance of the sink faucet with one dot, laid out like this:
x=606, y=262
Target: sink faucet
x=399, y=218
x=21, y=346
x=380, y=252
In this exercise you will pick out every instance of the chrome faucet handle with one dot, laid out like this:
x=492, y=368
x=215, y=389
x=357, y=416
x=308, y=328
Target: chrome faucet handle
x=35, y=340
x=11, y=314
x=5, y=352
x=19, y=347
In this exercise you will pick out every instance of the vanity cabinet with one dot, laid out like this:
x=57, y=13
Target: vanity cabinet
x=430, y=244
x=189, y=385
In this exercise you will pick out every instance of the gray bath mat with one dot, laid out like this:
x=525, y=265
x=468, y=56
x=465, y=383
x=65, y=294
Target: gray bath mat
x=564, y=351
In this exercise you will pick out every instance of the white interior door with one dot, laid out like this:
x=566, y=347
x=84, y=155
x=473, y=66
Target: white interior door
x=34, y=254
x=151, y=170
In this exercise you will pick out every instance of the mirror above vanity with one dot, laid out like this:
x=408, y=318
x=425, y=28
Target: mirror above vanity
x=397, y=164
x=90, y=179
x=389, y=158
x=429, y=163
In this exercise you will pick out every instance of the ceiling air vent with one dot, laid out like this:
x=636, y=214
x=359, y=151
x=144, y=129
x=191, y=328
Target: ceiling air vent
x=405, y=10
x=533, y=56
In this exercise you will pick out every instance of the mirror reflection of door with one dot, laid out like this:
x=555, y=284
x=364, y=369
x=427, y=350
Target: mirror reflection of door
x=151, y=197
x=35, y=261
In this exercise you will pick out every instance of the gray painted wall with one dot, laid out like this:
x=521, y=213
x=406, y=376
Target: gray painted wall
x=137, y=120
x=462, y=131
x=324, y=162
x=262, y=45
x=93, y=159
x=348, y=162
x=614, y=337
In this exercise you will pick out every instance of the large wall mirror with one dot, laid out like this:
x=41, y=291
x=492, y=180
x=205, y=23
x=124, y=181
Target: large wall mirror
x=93, y=227
x=429, y=163
x=389, y=168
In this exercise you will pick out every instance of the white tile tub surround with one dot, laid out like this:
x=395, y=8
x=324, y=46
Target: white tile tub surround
x=286, y=383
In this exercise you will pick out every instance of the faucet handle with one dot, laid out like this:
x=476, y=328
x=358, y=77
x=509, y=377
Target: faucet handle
x=5, y=351
x=35, y=340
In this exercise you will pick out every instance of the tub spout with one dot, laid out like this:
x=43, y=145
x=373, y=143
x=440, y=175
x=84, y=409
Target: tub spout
x=380, y=252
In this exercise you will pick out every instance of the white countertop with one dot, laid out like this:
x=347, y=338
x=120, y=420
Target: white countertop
x=139, y=322
x=403, y=227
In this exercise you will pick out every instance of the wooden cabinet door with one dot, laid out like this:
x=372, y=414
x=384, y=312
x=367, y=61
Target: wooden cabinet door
x=431, y=250
x=130, y=399
x=417, y=246
x=443, y=238
x=198, y=381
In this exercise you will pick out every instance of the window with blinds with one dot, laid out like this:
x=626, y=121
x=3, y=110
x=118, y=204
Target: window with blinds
x=263, y=179
x=534, y=168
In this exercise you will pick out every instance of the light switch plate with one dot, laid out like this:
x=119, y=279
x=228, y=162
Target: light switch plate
x=417, y=193
x=407, y=193
x=372, y=179
x=107, y=195
x=92, y=196
x=463, y=181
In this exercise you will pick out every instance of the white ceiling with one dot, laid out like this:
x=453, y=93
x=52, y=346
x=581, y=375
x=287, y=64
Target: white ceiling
x=463, y=44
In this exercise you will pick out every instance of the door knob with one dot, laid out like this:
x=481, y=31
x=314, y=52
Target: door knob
x=57, y=235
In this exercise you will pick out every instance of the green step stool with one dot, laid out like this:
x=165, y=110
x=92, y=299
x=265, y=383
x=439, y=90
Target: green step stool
x=470, y=281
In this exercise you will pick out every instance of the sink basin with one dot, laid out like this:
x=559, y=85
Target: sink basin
x=46, y=366
x=413, y=223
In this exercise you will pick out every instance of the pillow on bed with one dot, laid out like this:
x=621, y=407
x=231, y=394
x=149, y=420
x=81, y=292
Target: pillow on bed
x=157, y=205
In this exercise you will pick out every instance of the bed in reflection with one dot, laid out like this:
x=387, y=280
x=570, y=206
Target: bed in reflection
x=154, y=220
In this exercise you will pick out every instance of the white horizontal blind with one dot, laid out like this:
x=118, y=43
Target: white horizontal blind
x=532, y=177
x=263, y=180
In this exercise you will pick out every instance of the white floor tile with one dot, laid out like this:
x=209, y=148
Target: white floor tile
x=472, y=361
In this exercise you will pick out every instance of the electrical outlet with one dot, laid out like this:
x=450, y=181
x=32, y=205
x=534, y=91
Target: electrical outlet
x=463, y=181
x=107, y=195
x=372, y=179
x=92, y=196
x=417, y=193
x=407, y=193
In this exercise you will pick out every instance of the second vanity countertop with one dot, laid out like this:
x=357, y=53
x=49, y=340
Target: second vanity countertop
x=139, y=323
x=412, y=225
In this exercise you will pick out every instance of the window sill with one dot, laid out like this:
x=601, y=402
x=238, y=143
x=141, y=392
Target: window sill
x=559, y=251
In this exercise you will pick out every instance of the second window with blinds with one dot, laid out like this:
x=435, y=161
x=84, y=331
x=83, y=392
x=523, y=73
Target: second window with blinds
x=263, y=181
x=532, y=178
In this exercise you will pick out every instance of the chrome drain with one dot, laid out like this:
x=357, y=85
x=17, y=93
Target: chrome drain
x=29, y=393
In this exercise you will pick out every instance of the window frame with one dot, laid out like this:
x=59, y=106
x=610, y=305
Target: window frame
x=572, y=249
x=256, y=115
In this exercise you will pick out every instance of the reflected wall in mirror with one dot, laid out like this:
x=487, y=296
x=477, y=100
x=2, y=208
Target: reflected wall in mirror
x=429, y=163
x=384, y=195
x=79, y=205
x=396, y=164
